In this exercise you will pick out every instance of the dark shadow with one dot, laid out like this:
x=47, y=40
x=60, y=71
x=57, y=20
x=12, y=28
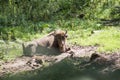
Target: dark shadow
x=68, y=69
x=40, y=50
x=111, y=22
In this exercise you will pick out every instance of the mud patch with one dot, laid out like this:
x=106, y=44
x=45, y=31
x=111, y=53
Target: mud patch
x=102, y=68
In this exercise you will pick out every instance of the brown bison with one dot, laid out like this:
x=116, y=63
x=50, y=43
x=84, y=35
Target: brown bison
x=53, y=43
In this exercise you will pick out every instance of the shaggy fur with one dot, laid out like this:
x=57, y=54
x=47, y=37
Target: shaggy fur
x=53, y=43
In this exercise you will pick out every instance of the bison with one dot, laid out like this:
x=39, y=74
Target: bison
x=53, y=43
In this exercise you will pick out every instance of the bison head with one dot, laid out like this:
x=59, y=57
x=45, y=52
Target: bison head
x=60, y=37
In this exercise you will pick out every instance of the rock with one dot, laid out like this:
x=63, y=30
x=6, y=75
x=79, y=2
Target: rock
x=94, y=56
x=35, y=62
x=99, y=60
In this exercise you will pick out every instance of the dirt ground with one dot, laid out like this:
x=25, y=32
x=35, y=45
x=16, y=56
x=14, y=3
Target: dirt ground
x=111, y=63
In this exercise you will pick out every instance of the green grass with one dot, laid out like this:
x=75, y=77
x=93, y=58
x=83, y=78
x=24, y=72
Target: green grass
x=10, y=50
x=108, y=39
x=79, y=32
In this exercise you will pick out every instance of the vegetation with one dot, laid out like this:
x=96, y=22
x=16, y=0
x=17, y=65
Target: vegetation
x=26, y=20
x=89, y=22
x=106, y=39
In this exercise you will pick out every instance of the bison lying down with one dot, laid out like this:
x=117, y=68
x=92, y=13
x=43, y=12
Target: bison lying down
x=53, y=43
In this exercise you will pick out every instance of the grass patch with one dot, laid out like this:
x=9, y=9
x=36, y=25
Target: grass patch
x=79, y=32
x=10, y=50
x=107, y=38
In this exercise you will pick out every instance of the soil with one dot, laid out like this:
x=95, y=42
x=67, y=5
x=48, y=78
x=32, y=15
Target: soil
x=111, y=62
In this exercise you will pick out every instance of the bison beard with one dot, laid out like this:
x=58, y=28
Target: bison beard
x=53, y=43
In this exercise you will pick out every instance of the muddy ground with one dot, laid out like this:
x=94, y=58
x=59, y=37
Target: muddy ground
x=109, y=65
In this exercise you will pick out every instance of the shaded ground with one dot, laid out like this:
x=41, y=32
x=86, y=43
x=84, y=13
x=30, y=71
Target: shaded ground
x=73, y=65
x=30, y=63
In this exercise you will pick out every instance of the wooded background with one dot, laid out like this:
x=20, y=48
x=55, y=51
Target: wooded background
x=24, y=12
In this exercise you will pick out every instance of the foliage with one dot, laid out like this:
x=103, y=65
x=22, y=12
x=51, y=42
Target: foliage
x=20, y=12
x=10, y=50
x=30, y=19
x=25, y=20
